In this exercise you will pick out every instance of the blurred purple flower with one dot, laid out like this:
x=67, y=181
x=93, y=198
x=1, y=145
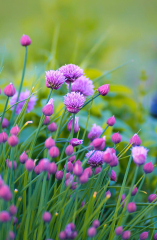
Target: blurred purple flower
x=71, y=72
x=96, y=159
x=95, y=132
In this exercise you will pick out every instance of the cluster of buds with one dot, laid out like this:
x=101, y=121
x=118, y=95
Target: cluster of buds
x=69, y=232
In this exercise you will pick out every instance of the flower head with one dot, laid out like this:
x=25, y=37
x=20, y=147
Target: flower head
x=9, y=90
x=74, y=102
x=25, y=40
x=95, y=132
x=148, y=167
x=71, y=72
x=135, y=140
x=143, y=235
x=96, y=159
x=48, y=109
x=54, y=79
x=23, y=95
x=139, y=154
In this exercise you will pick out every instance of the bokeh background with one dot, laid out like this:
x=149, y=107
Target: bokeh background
x=99, y=36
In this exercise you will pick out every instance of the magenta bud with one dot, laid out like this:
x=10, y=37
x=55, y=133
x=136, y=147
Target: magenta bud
x=114, y=161
x=131, y=207
x=71, y=159
x=13, y=140
x=48, y=109
x=5, y=216
x=5, y=193
x=11, y=235
x=5, y=123
x=152, y=197
x=83, y=178
x=37, y=170
x=23, y=158
x=143, y=235
x=46, y=120
x=108, y=194
x=14, y=130
x=126, y=235
x=62, y=235
x=103, y=90
x=25, y=40
x=10, y=164
x=134, y=191
x=76, y=125
x=29, y=165
x=108, y=155
x=52, y=168
x=46, y=217
x=54, y=152
x=52, y=127
x=69, y=167
x=97, y=170
x=88, y=171
x=135, y=140
x=113, y=176
x=96, y=223
x=77, y=170
x=119, y=230
x=116, y=138
x=69, y=150
x=13, y=210
x=9, y=90
x=59, y=175
x=155, y=236
x=3, y=137
x=111, y=121
x=75, y=142
x=97, y=143
x=44, y=165
x=91, y=232
x=148, y=167
x=49, y=143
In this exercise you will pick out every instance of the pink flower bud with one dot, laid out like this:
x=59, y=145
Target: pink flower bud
x=3, y=137
x=111, y=121
x=96, y=223
x=143, y=235
x=126, y=235
x=10, y=165
x=5, y=216
x=134, y=191
x=59, y=175
x=97, y=170
x=155, y=236
x=108, y=155
x=77, y=170
x=29, y=165
x=5, y=193
x=62, y=235
x=13, y=140
x=113, y=176
x=116, y=138
x=69, y=167
x=48, y=109
x=114, y=161
x=97, y=143
x=23, y=158
x=139, y=154
x=54, y=152
x=9, y=90
x=11, y=235
x=52, y=127
x=78, y=162
x=46, y=120
x=83, y=178
x=152, y=197
x=69, y=150
x=44, y=165
x=5, y=123
x=14, y=130
x=76, y=125
x=88, y=171
x=71, y=159
x=49, y=143
x=25, y=40
x=91, y=232
x=148, y=167
x=52, y=168
x=46, y=217
x=82, y=203
x=75, y=142
x=104, y=89
x=135, y=140
x=37, y=170
x=74, y=185
x=131, y=207
x=13, y=210
x=108, y=194
x=119, y=230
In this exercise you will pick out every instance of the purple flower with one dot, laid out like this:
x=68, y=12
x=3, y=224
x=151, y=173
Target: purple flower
x=76, y=125
x=74, y=102
x=71, y=72
x=76, y=142
x=83, y=85
x=23, y=95
x=139, y=154
x=54, y=79
x=96, y=159
x=95, y=132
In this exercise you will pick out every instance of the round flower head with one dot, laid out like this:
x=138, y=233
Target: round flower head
x=83, y=85
x=96, y=159
x=71, y=72
x=54, y=79
x=131, y=207
x=95, y=132
x=74, y=102
x=46, y=217
x=23, y=95
x=139, y=154
x=91, y=232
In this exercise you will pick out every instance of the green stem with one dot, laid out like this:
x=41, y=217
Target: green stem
x=3, y=113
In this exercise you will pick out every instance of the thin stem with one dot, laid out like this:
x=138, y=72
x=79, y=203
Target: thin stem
x=3, y=113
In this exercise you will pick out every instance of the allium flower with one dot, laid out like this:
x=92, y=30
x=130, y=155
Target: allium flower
x=23, y=95
x=74, y=102
x=71, y=72
x=95, y=132
x=139, y=154
x=54, y=79
x=83, y=85
x=96, y=159
x=135, y=140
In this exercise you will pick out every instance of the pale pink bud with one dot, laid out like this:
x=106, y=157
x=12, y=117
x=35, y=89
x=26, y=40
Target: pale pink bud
x=46, y=217
x=91, y=232
x=23, y=158
x=37, y=170
x=62, y=235
x=111, y=121
x=52, y=127
x=5, y=193
x=83, y=178
x=114, y=161
x=44, y=165
x=69, y=150
x=71, y=159
x=52, y=168
x=108, y=194
x=75, y=142
x=25, y=40
x=29, y=165
x=88, y=171
x=131, y=207
x=54, y=152
x=134, y=191
x=13, y=140
x=77, y=170
x=119, y=230
x=14, y=130
x=69, y=167
x=116, y=138
x=49, y=143
x=126, y=235
x=3, y=137
x=48, y=109
x=97, y=143
x=9, y=90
